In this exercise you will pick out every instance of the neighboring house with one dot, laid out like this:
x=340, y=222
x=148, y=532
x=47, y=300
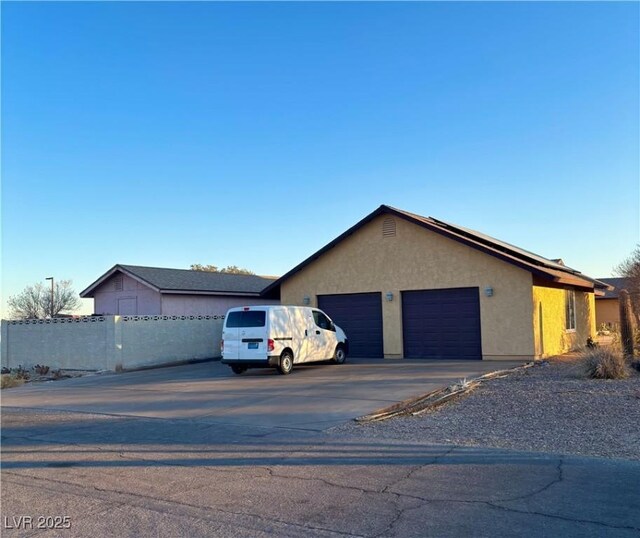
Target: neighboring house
x=131, y=290
x=608, y=305
x=402, y=285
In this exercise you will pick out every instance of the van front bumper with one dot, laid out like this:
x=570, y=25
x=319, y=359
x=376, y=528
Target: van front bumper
x=269, y=362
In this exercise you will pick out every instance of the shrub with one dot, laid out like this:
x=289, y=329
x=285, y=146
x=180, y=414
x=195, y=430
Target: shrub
x=10, y=380
x=605, y=363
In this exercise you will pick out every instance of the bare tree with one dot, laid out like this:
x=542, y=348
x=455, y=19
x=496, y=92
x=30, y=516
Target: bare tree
x=630, y=270
x=230, y=269
x=34, y=302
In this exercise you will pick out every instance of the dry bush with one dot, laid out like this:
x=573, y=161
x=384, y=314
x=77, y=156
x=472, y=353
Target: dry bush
x=10, y=380
x=41, y=369
x=605, y=363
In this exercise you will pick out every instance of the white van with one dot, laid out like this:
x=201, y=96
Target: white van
x=279, y=337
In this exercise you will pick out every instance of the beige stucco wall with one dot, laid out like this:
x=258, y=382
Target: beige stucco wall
x=551, y=337
x=416, y=259
x=607, y=312
x=109, y=342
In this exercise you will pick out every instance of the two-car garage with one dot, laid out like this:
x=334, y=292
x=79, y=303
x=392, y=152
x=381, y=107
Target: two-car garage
x=436, y=324
x=406, y=286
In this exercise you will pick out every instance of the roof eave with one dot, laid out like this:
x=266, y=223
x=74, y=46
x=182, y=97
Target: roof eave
x=385, y=209
x=88, y=292
x=271, y=287
x=207, y=292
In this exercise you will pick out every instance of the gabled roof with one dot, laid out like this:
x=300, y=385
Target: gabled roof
x=544, y=268
x=616, y=283
x=186, y=281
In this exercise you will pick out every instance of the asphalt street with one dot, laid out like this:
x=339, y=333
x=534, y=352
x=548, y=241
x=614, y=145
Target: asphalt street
x=127, y=470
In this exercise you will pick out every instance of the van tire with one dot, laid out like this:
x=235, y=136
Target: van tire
x=238, y=369
x=286, y=363
x=340, y=355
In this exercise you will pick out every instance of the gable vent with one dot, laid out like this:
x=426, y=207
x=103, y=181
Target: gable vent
x=389, y=227
x=117, y=283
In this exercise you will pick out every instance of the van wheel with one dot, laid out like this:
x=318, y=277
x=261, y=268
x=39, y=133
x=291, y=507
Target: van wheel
x=286, y=363
x=237, y=369
x=340, y=355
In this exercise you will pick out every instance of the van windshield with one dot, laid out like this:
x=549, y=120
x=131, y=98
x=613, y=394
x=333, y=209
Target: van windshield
x=247, y=318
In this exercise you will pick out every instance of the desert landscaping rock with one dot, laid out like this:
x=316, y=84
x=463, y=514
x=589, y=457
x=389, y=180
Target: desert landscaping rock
x=548, y=408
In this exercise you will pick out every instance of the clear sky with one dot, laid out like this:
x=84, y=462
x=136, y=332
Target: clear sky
x=252, y=134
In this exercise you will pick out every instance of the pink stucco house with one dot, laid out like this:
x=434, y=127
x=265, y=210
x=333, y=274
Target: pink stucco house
x=130, y=290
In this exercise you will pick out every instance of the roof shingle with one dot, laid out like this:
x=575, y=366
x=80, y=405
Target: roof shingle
x=188, y=281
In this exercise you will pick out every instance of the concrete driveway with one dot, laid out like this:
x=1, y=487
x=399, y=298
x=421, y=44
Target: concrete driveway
x=313, y=397
x=195, y=451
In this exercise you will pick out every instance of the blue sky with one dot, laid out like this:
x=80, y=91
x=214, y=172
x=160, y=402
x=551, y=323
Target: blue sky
x=252, y=134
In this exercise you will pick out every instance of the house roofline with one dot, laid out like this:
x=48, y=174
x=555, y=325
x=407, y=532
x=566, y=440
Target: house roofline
x=567, y=277
x=87, y=292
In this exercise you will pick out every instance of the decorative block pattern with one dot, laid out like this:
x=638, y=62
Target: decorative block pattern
x=109, y=342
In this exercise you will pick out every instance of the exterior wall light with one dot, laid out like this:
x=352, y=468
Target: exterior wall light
x=389, y=296
x=488, y=291
x=306, y=300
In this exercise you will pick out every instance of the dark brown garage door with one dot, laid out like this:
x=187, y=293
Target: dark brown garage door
x=360, y=317
x=442, y=324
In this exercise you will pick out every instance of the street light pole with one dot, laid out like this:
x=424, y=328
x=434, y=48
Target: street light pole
x=51, y=278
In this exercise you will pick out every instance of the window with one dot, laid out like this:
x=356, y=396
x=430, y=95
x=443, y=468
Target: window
x=322, y=321
x=570, y=310
x=246, y=318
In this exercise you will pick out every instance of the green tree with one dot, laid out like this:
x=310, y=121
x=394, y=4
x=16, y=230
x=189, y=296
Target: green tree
x=230, y=269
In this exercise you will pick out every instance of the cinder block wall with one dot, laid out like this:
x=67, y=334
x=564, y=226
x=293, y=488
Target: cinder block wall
x=149, y=340
x=110, y=342
x=80, y=344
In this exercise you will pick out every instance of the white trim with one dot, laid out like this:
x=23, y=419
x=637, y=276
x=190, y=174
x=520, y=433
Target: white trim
x=109, y=274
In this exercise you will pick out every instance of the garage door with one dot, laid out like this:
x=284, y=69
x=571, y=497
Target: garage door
x=360, y=316
x=442, y=324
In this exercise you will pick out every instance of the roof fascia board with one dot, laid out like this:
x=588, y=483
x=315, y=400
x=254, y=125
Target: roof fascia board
x=328, y=246
x=473, y=244
x=563, y=284
x=139, y=279
x=578, y=280
x=116, y=268
x=223, y=293
x=96, y=283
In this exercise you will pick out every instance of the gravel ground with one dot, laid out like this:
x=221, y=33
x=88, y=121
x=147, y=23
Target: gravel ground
x=547, y=408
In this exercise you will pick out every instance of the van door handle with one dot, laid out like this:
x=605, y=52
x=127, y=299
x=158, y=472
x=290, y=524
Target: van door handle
x=306, y=333
x=317, y=332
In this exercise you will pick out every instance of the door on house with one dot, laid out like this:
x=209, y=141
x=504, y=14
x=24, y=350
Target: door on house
x=442, y=324
x=359, y=315
x=128, y=306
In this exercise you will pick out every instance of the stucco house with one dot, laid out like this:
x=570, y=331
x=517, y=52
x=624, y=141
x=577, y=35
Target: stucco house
x=608, y=305
x=403, y=285
x=152, y=291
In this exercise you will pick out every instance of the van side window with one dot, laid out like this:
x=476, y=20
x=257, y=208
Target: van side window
x=322, y=321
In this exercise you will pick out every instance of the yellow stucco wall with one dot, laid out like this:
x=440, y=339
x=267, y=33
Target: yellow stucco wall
x=607, y=312
x=416, y=259
x=550, y=334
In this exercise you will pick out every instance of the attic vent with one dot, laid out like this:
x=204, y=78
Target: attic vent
x=117, y=283
x=389, y=227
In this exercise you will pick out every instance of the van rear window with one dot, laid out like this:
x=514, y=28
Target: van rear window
x=247, y=318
